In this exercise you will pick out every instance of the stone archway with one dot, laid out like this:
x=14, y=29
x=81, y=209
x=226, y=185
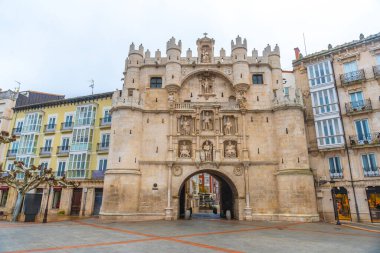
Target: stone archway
x=229, y=197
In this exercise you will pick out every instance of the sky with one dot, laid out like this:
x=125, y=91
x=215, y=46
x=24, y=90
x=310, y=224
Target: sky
x=59, y=46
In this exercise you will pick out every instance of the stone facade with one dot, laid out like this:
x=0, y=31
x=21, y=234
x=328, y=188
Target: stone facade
x=340, y=87
x=227, y=115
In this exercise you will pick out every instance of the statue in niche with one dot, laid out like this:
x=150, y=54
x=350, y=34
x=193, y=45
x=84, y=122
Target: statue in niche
x=230, y=150
x=242, y=100
x=205, y=56
x=171, y=98
x=206, y=153
x=186, y=125
x=228, y=126
x=207, y=121
x=206, y=85
x=184, y=150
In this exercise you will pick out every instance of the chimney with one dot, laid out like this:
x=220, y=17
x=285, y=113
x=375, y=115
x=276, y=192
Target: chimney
x=297, y=53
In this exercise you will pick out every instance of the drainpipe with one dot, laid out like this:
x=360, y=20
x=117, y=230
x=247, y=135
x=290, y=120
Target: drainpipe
x=345, y=143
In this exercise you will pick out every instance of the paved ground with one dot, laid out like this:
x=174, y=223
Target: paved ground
x=197, y=235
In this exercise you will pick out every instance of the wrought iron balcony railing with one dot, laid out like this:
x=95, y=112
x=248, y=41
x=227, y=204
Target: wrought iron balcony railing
x=103, y=147
x=67, y=126
x=336, y=175
x=352, y=77
x=49, y=128
x=370, y=139
x=16, y=131
x=85, y=174
x=371, y=172
x=104, y=122
x=376, y=71
x=63, y=150
x=11, y=153
x=46, y=151
x=359, y=106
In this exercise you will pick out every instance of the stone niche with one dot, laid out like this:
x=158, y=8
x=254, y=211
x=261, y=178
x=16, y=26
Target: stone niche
x=207, y=151
x=230, y=149
x=229, y=125
x=207, y=120
x=185, y=125
x=184, y=149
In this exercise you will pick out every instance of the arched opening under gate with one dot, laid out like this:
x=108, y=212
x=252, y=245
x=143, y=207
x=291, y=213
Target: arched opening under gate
x=208, y=195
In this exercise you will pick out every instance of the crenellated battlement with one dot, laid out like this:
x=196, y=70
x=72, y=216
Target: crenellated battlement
x=238, y=43
x=171, y=44
x=133, y=50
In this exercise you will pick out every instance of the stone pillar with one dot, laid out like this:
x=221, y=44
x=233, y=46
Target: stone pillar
x=245, y=156
x=169, y=208
x=247, y=209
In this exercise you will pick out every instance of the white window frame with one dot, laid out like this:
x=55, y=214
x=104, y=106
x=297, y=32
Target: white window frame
x=320, y=73
x=374, y=171
x=101, y=160
x=321, y=105
x=335, y=138
x=58, y=172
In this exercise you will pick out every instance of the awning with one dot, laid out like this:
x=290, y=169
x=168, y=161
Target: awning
x=4, y=188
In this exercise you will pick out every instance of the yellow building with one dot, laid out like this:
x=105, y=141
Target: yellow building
x=72, y=137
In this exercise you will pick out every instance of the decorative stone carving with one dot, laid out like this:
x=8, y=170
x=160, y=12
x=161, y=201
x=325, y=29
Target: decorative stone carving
x=206, y=81
x=185, y=125
x=241, y=99
x=230, y=150
x=205, y=56
x=238, y=171
x=207, y=120
x=228, y=125
x=171, y=98
x=206, y=154
x=184, y=150
x=177, y=171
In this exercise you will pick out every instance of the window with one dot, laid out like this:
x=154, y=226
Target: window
x=107, y=116
x=335, y=167
x=82, y=138
x=102, y=165
x=85, y=115
x=47, y=146
x=105, y=140
x=51, y=123
x=65, y=144
x=68, y=121
x=56, y=198
x=286, y=91
x=349, y=67
x=61, y=168
x=319, y=73
x=357, y=100
x=19, y=126
x=4, y=197
x=257, y=79
x=28, y=143
x=155, y=82
x=32, y=122
x=370, y=165
x=329, y=132
x=10, y=166
x=44, y=165
x=78, y=161
x=324, y=101
x=363, y=131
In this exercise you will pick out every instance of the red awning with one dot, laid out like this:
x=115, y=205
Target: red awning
x=4, y=188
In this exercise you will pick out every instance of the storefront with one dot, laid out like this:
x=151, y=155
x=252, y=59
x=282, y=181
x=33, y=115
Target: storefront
x=342, y=205
x=373, y=197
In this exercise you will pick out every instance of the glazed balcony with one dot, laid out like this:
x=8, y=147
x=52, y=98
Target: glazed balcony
x=373, y=139
x=63, y=150
x=11, y=153
x=85, y=174
x=31, y=129
x=16, y=131
x=352, y=77
x=84, y=122
x=46, y=151
x=81, y=146
x=371, y=172
x=105, y=122
x=27, y=151
x=357, y=107
x=49, y=128
x=103, y=147
x=67, y=126
x=336, y=175
x=376, y=71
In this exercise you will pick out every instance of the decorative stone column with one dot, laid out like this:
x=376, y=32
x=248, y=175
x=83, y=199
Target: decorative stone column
x=247, y=209
x=169, y=209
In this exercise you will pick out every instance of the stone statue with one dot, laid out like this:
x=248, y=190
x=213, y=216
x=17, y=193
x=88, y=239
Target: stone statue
x=230, y=150
x=171, y=98
x=228, y=126
x=186, y=126
x=207, y=150
x=207, y=121
x=205, y=57
x=241, y=99
x=184, y=151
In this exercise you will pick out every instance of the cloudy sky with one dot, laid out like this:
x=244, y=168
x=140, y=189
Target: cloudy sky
x=58, y=46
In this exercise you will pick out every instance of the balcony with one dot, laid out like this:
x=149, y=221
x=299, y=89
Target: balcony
x=371, y=172
x=16, y=131
x=31, y=129
x=27, y=151
x=105, y=122
x=103, y=147
x=67, y=126
x=372, y=139
x=63, y=150
x=50, y=128
x=85, y=174
x=82, y=146
x=376, y=71
x=46, y=151
x=352, y=77
x=336, y=175
x=357, y=107
x=11, y=153
x=84, y=122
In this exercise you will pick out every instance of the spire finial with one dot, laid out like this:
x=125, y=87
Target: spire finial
x=205, y=34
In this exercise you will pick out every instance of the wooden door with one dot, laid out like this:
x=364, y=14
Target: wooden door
x=76, y=201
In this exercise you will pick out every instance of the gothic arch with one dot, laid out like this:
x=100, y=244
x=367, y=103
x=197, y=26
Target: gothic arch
x=199, y=71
